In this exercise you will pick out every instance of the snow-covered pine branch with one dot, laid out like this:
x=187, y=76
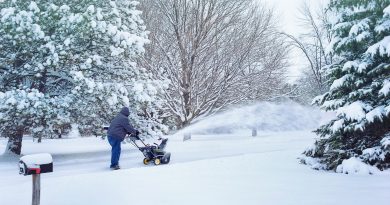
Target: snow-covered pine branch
x=359, y=86
x=65, y=62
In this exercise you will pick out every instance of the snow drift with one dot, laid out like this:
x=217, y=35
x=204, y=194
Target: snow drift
x=264, y=116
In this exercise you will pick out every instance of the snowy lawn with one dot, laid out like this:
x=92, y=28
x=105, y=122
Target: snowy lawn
x=219, y=169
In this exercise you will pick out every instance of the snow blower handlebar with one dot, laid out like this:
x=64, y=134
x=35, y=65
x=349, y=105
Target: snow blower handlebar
x=135, y=136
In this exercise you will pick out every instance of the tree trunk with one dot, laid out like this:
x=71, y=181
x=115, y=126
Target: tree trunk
x=14, y=145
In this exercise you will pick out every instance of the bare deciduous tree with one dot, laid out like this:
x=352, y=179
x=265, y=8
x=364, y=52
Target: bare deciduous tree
x=213, y=53
x=312, y=43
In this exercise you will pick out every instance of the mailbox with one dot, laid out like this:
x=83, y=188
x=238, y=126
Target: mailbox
x=36, y=164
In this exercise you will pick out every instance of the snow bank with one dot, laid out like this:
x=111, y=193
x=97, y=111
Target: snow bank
x=63, y=146
x=263, y=116
x=355, y=166
x=312, y=162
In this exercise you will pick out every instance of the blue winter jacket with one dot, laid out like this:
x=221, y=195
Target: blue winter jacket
x=120, y=125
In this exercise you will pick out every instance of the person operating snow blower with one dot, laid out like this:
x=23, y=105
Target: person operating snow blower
x=120, y=126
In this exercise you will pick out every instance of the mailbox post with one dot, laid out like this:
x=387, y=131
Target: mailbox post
x=35, y=165
x=36, y=193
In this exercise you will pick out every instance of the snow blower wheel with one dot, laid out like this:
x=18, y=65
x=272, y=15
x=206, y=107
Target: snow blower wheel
x=146, y=161
x=157, y=161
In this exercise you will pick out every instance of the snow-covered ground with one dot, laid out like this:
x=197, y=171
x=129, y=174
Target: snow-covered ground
x=209, y=169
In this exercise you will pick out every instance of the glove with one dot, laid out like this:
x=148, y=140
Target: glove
x=137, y=132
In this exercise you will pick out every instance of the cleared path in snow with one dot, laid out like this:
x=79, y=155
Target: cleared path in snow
x=88, y=155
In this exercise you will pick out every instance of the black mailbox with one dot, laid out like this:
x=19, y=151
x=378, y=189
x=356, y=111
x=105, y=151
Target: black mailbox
x=36, y=164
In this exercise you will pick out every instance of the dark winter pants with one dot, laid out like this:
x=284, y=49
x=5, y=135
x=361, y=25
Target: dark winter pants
x=115, y=151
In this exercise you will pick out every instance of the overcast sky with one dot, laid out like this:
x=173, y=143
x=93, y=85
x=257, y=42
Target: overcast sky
x=288, y=12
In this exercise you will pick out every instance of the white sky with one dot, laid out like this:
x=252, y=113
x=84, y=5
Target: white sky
x=288, y=13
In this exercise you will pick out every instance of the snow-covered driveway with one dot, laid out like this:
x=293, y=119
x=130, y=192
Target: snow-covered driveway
x=209, y=169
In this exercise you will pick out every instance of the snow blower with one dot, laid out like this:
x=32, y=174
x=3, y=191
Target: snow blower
x=153, y=153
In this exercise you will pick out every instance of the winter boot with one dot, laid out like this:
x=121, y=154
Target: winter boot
x=116, y=167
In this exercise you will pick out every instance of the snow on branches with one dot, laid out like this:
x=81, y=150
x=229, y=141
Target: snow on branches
x=78, y=59
x=359, y=86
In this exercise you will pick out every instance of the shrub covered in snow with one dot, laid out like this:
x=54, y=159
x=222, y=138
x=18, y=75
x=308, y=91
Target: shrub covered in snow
x=64, y=62
x=359, y=91
x=355, y=166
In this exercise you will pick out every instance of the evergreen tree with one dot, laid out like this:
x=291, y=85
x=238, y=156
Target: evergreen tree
x=360, y=86
x=70, y=61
